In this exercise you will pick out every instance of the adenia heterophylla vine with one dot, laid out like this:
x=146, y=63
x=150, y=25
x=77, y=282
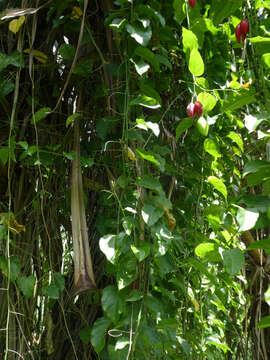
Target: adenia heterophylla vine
x=194, y=108
x=241, y=30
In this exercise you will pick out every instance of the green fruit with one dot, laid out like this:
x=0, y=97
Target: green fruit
x=268, y=212
x=202, y=126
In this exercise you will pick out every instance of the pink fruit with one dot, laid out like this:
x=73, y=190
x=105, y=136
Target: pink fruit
x=244, y=27
x=192, y=3
x=238, y=33
x=198, y=108
x=191, y=110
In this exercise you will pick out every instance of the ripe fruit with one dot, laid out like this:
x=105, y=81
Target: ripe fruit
x=241, y=30
x=238, y=33
x=198, y=108
x=191, y=110
x=244, y=26
x=192, y=3
x=202, y=126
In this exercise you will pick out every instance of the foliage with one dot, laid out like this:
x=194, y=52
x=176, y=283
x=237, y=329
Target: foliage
x=177, y=206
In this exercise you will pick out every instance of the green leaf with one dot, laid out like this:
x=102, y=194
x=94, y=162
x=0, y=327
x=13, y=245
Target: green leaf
x=71, y=118
x=110, y=245
x=267, y=296
x=147, y=10
x=151, y=183
x=112, y=303
x=139, y=33
x=121, y=343
x=190, y=40
x=145, y=125
x=266, y=59
x=67, y=51
x=207, y=100
x=147, y=55
x=237, y=139
x=218, y=185
x=98, y=333
x=85, y=335
x=246, y=218
x=59, y=281
x=163, y=239
x=151, y=214
x=208, y=250
x=127, y=272
x=254, y=166
x=259, y=39
x=221, y=9
x=153, y=304
x=164, y=61
x=142, y=250
x=264, y=322
x=145, y=101
x=117, y=23
x=4, y=155
x=211, y=147
x=83, y=68
x=14, y=267
x=253, y=121
x=52, y=291
x=128, y=223
x=195, y=63
x=213, y=340
x=236, y=100
x=135, y=295
x=233, y=260
x=26, y=285
x=182, y=127
x=179, y=11
x=141, y=67
x=260, y=244
x=155, y=159
x=41, y=114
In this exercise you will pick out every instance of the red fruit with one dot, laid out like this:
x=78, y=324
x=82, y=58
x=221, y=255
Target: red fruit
x=192, y=3
x=244, y=27
x=238, y=33
x=198, y=108
x=191, y=110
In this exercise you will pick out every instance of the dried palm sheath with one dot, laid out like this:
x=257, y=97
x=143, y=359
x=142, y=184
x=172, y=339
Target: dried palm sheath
x=83, y=271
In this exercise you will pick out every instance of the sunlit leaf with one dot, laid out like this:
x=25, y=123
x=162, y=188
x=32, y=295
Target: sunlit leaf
x=237, y=139
x=218, y=185
x=145, y=101
x=195, y=63
x=151, y=214
x=38, y=55
x=71, y=118
x=264, y=322
x=140, y=34
x=141, y=251
x=246, y=218
x=207, y=100
x=15, y=25
x=212, y=148
x=41, y=114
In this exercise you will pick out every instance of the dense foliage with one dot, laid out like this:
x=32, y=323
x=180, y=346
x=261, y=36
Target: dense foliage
x=158, y=111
